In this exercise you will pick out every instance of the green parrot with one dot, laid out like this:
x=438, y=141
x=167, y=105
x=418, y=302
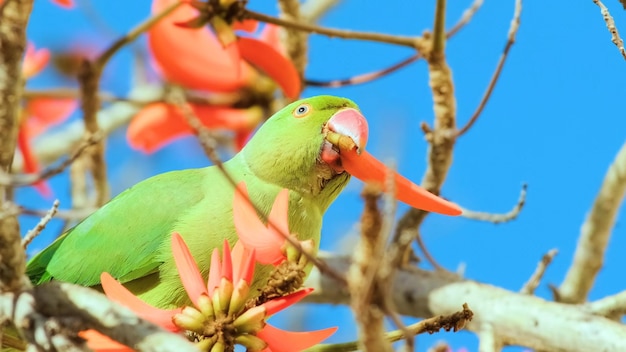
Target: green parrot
x=309, y=147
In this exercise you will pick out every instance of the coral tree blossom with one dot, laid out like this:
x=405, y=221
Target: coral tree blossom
x=220, y=306
x=196, y=59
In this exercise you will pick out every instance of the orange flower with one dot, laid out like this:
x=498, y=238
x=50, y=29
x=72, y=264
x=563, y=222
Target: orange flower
x=159, y=124
x=218, y=306
x=269, y=240
x=39, y=114
x=68, y=4
x=196, y=58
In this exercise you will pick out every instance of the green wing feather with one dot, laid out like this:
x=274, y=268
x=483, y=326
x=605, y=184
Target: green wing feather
x=154, y=205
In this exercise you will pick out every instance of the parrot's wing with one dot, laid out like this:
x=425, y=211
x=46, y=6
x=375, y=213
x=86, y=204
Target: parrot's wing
x=124, y=236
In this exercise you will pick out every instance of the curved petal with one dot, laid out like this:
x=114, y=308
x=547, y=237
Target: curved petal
x=279, y=217
x=158, y=124
x=120, y=294
x=68, y=4
x=246, y=25
x=102, y=343
x=274, y=64
x=46, y=112
x=34, y=61
x=277, y=304
x=193, y=58
x=187, y=269
x=243, y=263
x=367, y=168
x=252, y=232
x=215, y=272
x=227, y=262
x=279, y=340
x=271, y=35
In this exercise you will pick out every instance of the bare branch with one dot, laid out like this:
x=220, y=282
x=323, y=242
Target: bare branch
x=365, y=290
x=370, y=76
x=413, y=42
x=611, y=306
x=496, y=74
x=312, y=10
x=610, y=24
x=13, y=20
x=595, y=234
x=31, y=234
x=522, y=320
x=52, y=314
x=499, y=218
x=532, y=283
x=295, y=41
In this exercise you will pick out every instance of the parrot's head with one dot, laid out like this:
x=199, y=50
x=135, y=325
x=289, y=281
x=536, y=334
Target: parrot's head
x=313, y=145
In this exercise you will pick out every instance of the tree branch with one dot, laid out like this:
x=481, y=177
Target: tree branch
x=610, y=24
x=522, y=320
x=595, y=234
x=14, y=16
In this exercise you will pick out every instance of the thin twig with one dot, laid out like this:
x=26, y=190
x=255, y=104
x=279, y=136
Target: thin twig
x=370, y=76
x=499, y=218
x=34, y=232
x=465, y=18
x=452, y=322
x=133, y=34
x=496, y=74
x=610, y=24
x=413, y=42
x=534, y=280
x=21, y=180
x=67, y=214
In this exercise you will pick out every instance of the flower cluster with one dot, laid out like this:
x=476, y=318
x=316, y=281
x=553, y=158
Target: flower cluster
x=212, y=61
x=225, y=312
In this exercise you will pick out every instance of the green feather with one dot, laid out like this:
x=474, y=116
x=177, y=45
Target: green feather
x=129, y=237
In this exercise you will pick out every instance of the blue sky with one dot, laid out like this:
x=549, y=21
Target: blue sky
x=555, y=121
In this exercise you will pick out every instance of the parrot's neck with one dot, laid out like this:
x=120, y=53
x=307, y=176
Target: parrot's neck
x=316, y=180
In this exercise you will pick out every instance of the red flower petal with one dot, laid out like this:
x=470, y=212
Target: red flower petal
x=193, y=58
x=279, y=217
x=243, y=263
x=271, y=36
x=46, y=112
x=252, y=232
x=34, y=61
x=270, y=61
x=227, y=262
x=68, y=4
x=120, y=294
x=102, y=343
x=279, y=340
x=215, y=272
x=31, y=165
x=246, y=25
x=277, y=304
x=368, y=169
x=159, y=124
x=187, y=269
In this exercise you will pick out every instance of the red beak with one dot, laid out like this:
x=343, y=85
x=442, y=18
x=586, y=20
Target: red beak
x=362, y=165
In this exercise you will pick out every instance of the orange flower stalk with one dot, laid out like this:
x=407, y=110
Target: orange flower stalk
x=219, y=317
x=39, y=114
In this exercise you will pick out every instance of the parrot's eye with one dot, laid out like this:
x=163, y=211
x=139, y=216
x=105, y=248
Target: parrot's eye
x=302, y=110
